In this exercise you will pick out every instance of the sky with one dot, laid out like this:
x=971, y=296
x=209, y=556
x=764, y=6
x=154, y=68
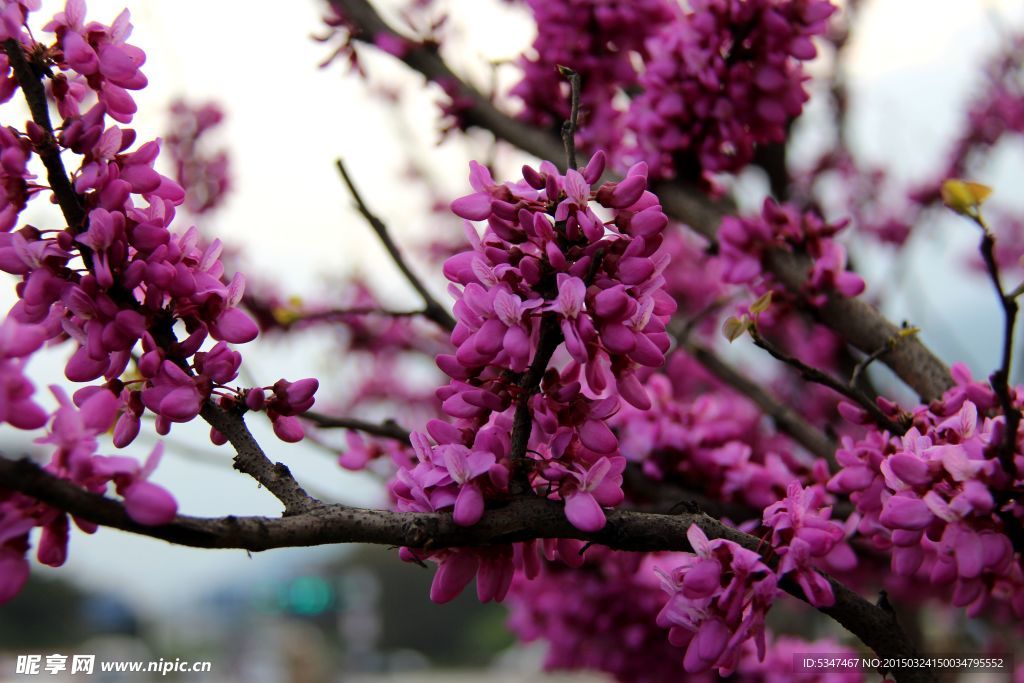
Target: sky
x=287, y=122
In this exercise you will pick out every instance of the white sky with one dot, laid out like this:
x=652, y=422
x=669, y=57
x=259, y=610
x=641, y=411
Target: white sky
x=288, y=121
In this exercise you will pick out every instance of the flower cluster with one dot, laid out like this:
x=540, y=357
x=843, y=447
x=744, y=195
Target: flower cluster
x=939, y=500
x=718, y=599
x=547, y=275
x=140, y=279
x=597, y=40
x=203, y=174
x=705, y=435
x=73, y=434
x=745, y=241
x=723, y=78
x=804, y=537
x=599, y=616
x=114, y=279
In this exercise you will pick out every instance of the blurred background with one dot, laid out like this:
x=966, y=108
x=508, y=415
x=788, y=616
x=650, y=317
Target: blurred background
x=357, y=613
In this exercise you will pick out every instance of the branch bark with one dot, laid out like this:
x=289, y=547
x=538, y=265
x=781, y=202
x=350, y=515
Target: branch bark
x=521, y=520
x=250, y=459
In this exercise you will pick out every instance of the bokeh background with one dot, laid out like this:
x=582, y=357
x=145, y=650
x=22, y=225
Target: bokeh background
x=353, y=613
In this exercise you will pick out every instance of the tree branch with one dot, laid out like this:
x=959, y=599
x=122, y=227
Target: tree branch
x=250, y=459
x=389, y=429
x=856, y=321
x=30, y=79
x=1000, y=379
x=521, y=520
x=434, y=310
x=818, y=377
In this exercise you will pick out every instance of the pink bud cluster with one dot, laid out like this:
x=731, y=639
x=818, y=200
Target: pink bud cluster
x=745, y=241
x=140, y=278
x=939, y=500
x=708, y=437
x=601, y=616
x=723, y=78
x=597, y=40
x=73, y=434
x=547, y=275
x=718, y=599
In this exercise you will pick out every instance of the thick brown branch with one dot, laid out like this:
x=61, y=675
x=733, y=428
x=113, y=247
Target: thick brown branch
x=856, y=321
x=522, y=519
x=433, y=309
x=250, y=459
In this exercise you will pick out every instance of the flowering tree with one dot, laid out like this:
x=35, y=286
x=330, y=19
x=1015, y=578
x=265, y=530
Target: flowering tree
x=589, y=456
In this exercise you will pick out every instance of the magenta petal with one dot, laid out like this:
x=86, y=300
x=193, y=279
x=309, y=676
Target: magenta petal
x=702, y=579
x=583, y=512
x=288, y=429
x=27, y=415
x=706, y=647
x=13, y=573
x=905, y=512
x=99, y=410
x=53, y=542
x=149, y=504
x=180, y=404
x=911, y=469
x=82, y=368
x=469, y=506
x=598, y=437
x=235, y=327
x=453, y=574
x=474, y=207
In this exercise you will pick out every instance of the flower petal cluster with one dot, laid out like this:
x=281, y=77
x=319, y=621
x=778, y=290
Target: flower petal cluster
x=73, y=433
x=724, y=77
x=547, y=277
x=702, y=433
x=804, y=537
x=597, y=40
x=745, y=241
x=718, y=599
x=939, y=500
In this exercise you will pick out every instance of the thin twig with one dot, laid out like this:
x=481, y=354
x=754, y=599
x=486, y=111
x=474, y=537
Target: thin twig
x=570, y=126
x=818, y=377
x=434, y=310
x=388, y=429
x=1000, y=379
